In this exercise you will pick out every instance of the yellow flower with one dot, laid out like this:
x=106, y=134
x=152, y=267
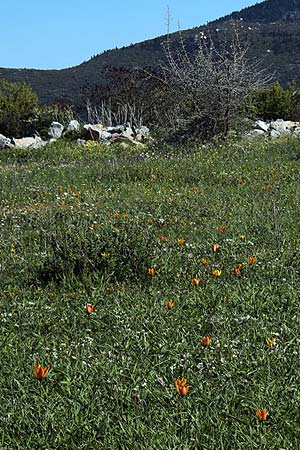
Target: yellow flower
x=125, y=216
x=13, y=249
x=216, y=272
x=41, y=372
x=116, y=215
x=105, y=254
x=181, y=241
x=152, y=271
x=242, y=237
x=271, y=342
x=170, y=304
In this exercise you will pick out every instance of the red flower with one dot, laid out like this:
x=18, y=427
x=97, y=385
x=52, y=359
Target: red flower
x=236, y=271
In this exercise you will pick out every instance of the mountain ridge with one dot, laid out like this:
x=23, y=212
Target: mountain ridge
x=271, y=27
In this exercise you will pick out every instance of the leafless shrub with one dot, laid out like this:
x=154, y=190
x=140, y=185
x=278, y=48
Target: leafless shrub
x=211, y=85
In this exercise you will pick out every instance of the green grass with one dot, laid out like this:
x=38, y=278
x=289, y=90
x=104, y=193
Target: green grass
x=111, y=385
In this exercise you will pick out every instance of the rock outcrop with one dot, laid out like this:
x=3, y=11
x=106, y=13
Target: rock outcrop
x=56, y=130
x=5, y=142
x=29, y=142
x=275, y=128
x=91, y=132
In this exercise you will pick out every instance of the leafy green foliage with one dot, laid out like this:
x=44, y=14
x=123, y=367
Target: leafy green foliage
x=276, y=102
x=17, y=107
x=44, y=115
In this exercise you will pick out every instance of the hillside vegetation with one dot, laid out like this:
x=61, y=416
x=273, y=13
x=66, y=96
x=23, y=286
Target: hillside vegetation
x=128, y=231
x=270, y=27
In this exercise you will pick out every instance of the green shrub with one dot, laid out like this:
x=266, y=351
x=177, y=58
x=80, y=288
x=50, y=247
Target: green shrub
x=276, y=102
x=17, y=106
x=46, y=114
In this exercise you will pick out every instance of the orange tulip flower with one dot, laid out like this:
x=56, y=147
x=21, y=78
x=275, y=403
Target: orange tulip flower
x=252, y=260
x=222, y=229
x=241, y=181
x=41, y=372
x=196, y=281
x=261, y=414
x=90, y=308
x=125, y=216
x=164, y=238
x=182, y=387
x=206, y=341
x=215, y=248
x=152, y=271
x=91, y=226
x=181, y=241
x=205, y=261
x=170, y=304
x=116, y=216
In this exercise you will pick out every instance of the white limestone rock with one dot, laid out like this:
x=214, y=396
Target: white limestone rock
x=74, y=125
x=55, y=131
x=5, y=142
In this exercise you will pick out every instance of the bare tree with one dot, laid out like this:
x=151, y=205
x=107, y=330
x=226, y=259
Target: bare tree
x=210, y=85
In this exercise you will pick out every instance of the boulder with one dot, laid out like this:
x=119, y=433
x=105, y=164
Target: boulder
x=74, y=125
x=282, y=126
x=296, y=131
x=261, y=125
x=105, y=135
x=142, y=133
x=92, y=132
x=117, y=129
x=274, y=134
x=55, y=130
x=5, y=142
x=128, y=132
x=29, y=142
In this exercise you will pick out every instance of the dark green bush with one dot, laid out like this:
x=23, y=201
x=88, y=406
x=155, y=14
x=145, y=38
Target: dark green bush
x=276, y=102
x=17, y=106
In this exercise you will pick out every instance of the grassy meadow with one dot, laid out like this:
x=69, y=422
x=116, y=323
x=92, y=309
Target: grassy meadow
x=129, y=230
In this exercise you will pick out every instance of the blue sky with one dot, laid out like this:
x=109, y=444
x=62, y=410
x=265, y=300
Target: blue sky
x=46, y=34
